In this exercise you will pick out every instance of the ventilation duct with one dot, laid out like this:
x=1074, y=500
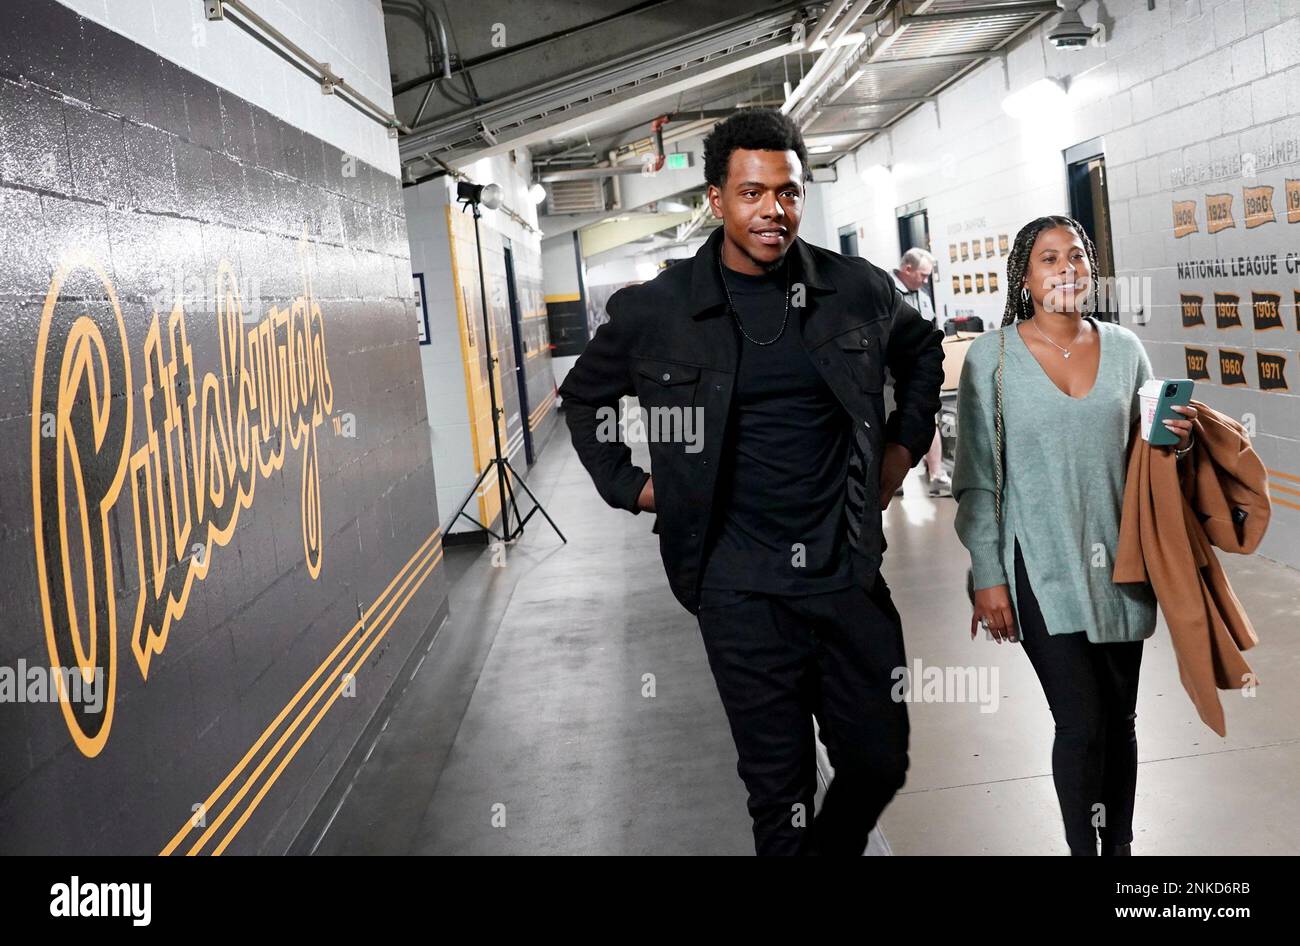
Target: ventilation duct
x=580, y=197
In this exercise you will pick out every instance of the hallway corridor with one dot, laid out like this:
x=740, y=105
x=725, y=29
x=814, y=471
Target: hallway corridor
x=544, y=660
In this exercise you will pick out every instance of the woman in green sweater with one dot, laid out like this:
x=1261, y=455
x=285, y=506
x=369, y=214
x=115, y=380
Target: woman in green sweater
x=1042, y=547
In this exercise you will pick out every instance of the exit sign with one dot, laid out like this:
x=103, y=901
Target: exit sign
x=678, y=160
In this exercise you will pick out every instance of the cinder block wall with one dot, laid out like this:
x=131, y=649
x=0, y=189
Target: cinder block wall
x=216, y=490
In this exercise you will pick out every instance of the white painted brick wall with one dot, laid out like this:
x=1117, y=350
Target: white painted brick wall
x=348, y=34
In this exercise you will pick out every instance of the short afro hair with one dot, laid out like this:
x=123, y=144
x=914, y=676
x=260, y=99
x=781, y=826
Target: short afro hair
x=756, y=129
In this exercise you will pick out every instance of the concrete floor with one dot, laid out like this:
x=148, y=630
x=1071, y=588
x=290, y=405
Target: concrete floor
x=528, y=728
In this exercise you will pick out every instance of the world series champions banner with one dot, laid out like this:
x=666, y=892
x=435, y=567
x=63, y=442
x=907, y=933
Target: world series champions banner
x=218, y=525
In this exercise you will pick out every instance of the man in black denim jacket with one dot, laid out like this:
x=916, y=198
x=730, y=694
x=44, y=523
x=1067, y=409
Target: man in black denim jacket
x=760, y=366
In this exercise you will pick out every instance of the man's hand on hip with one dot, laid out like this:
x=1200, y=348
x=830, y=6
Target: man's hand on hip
x=893, y=468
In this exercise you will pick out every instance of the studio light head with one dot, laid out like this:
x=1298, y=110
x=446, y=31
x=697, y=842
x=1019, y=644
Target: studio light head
x=487, y=195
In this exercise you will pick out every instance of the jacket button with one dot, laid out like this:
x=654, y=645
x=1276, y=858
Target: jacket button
x=667, y=376
x=826, y=361
x=866, y=342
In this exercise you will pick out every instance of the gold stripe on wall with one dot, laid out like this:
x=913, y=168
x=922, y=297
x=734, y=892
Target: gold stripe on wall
x=412, y=576
x=1275, y=487
x=540, y=411
x=338, y=691
x=564, y=297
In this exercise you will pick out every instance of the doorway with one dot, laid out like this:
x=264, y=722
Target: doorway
x=521, y=355
x=1085, y=170
x=914, y=231
x=849, y=241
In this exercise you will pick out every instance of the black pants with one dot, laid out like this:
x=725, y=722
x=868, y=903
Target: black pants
x=777, y=661
x=1092, y=690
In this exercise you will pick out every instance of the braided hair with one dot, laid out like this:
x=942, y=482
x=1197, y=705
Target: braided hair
x=1019, y=307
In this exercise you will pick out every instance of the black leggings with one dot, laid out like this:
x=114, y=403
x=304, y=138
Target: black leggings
x=1092, y=690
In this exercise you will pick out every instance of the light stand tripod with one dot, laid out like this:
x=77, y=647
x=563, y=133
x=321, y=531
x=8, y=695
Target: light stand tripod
x=471, y=196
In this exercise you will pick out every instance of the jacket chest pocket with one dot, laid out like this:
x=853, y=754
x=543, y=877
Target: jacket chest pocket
x=861, y=353
x=666, y=383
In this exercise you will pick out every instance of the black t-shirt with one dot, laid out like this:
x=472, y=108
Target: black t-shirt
x=780, y=527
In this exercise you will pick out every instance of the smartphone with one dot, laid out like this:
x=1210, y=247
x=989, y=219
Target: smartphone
x=1173, y=391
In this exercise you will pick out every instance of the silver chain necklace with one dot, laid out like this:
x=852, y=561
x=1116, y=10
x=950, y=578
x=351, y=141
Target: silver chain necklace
x=1065, y=351
x=732, y=306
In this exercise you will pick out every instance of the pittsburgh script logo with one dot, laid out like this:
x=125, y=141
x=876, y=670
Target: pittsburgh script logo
x=203, y=446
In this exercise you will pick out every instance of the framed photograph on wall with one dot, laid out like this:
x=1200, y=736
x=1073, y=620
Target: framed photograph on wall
x=421, y=307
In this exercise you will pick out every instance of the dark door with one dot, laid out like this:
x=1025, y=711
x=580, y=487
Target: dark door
x=914, y=231
x=849, y=241
x=516, y=332
x=1090, y=205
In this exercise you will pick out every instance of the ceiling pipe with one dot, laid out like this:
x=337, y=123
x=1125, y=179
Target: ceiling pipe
x=834, y=132
x=812, y=86
x=849, y=21
x=657, y=129
x=820, y=64
x=420, y=15
x=690, y=127
x=824, y=24
x=738, y=44
x=587, y=174
x=661, y=150
x=330, y=82
x=807, y=113
x=878, y=103
x=525, y=45
x=979, y=13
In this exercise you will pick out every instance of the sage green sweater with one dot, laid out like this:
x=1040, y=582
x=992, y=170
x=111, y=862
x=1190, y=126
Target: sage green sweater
x=1065, y=461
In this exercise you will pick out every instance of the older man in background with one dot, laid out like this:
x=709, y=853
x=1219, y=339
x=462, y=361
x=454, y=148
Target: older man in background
x=911, y=276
